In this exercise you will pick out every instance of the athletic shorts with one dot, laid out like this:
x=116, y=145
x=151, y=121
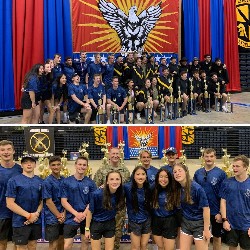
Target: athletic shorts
x=94, y=113
x=22, y=235
x=165, y=226
x=193, y=228
x=52, y=232
x=6, y=229
x=104, y=229
x=70, y=231
x=75, y=114
x=26, y=101
x=139, y=228
x=216, y=227
x=235, y=237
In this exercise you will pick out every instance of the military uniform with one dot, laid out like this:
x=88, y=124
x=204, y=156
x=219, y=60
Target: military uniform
x=100, y=179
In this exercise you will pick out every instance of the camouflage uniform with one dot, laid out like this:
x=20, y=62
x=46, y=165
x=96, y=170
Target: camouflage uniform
x=99, y=179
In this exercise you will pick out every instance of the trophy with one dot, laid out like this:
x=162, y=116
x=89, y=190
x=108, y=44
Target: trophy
x=65, y=171
x=130, y=111
x=180, y=102
x=183, y=156
x=164, y=158
x=226, y=162
x=162, y=111
x=218, y=101
x=83, y=152
x=106, y=153
x=201, y=158
x=121, y=146
x=44, y=166
x=192, y=101
x=149, y=111
x=229, y=105
x=115, y=114
x=206, y=98
x=100, y=116
x=171, y=104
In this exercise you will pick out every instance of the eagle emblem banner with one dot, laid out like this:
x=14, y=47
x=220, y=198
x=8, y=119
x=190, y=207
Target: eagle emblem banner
x=121, y=26
x=143, y=137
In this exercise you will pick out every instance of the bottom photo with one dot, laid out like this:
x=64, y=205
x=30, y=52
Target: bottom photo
x=124, y=187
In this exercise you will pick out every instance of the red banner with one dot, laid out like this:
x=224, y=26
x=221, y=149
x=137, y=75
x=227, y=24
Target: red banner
x=119, y=25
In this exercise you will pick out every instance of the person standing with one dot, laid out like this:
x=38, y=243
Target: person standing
x=172, y=156
x=8, y=169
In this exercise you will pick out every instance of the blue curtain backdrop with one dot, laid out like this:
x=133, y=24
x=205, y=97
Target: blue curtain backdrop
x=217, y=29
x=125, y=138
x=191, y=29
x=7, y=101
x=57, y=28
x=161, y=140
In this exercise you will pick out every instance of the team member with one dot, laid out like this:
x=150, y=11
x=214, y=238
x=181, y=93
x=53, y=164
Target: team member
x=164, y=223
x=155, y=93
x=119, y=70
x=53, y=210
x=195, y=208
x=24, y=199
x=206, y=65
x=100, y=177
x=235, y=205
x=75, y=197
x=210, y=178
x=58, y=67
x=146, y=158
x=68, y=69
x=116, y=99
x=108, y=72
x=104, y=204
x=172, y=156
x=137, y=75
x=8, y=169
x=81, y=66
x=137, y=193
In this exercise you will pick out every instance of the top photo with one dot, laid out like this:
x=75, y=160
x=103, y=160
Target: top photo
x=125, y=62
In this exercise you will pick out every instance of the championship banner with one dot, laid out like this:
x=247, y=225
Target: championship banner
x=143, y=137
x=243, y=23
x=100, y=135
x=39, y=141
x=122, y=26
x=187, y=135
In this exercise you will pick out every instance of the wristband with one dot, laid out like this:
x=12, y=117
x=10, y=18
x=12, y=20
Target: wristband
x=224, y=219
x=86, y=228
x=28, y=217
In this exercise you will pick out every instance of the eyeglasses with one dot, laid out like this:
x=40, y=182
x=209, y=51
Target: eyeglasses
x=205, y=176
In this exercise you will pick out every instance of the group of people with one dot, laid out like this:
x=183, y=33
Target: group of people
x=163, y=202
x=80, y=89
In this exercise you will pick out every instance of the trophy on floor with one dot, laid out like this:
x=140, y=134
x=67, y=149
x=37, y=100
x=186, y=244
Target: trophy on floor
x=100, y=116
x=218, y=99
x=183, y=156
x=105, y=149
x=149, y=111
x=201, y=157
x=114, y=114
x=180, y=103
x=226, y=161
x=162, y=109
x=206, y=98
x=121, y=146
x=192, y=101
x=64, y=171
x=229, y=105
x=83, y=152
x=130, y=111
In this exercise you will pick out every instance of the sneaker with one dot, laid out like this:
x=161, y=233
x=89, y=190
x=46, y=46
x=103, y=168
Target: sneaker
x=184, y=112
x=224, y=108
x=138, y=116
x=108, y=121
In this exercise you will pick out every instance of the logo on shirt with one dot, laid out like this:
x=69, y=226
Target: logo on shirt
x=214, y=181
x=86, y=190
x=119, y=94
x=152, y=177
x=247, y=194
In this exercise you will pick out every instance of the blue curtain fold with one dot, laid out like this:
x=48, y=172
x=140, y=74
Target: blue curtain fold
x=125, y=138
x=115, y=137
x=161, y=140
x=57, y=28
x=191, y=29
x=7, y=98
x=172, y=133
x=217, y=29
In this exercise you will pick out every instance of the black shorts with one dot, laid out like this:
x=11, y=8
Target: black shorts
x=139, y=228
x=193, y=228
x=216, y=227
x=47, y=95
x=26, y=101
x=75, y=114
x=22, y=235
x=52, y=232
x=178, y=217
x=104, y=229
x=93, y=115
x=235, y=237
x=165, y=226
x=6, y=229
x=70, y=231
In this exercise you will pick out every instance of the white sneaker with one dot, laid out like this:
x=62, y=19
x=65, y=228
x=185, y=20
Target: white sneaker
x=224, y=108
x=108, y=121
x=138, y=116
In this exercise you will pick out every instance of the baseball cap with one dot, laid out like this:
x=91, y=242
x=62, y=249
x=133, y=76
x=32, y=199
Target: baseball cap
x=28, y=157
x=171, y=150
x=75, y=74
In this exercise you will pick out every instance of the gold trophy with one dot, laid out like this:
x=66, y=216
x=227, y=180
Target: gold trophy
x=218, y=101
x=149, y=111
x=65, y=171
x=83, y=152
x=44, y=166
x=192, y=101
x=115, y=114
x=226, y=162
x=179, y=100
x=183, y=156
x=229, y=105
x=164, y=158
x=121, y=146
x=100, y=116
x=171, y=104
x=162, y=112
x=206, y=98
x=130, y=112
x=201, y=157
x=105, y=150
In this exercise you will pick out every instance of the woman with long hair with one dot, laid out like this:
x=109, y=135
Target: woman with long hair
x=164, y=223
x=104, y=203
x=137, y=193
x=192, y=199
x=31, y=95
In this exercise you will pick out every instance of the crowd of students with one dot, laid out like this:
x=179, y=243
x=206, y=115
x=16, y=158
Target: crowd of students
x=163, y=202
x=78, y=88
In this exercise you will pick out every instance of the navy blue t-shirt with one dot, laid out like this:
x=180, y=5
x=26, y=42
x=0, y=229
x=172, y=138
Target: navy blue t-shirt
x=237, y=196
x=108, y=75
x=78, y=194
x=117, y=95
x=51, y=189
x=211, y=182
x=151, y=173
x=100, y=214
x=33, y=84
x=168, y=168
x=92, y=70
x=142, y=215
x=28, y=195
x=96, y=93
x=5, y=175
x=194, y=211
